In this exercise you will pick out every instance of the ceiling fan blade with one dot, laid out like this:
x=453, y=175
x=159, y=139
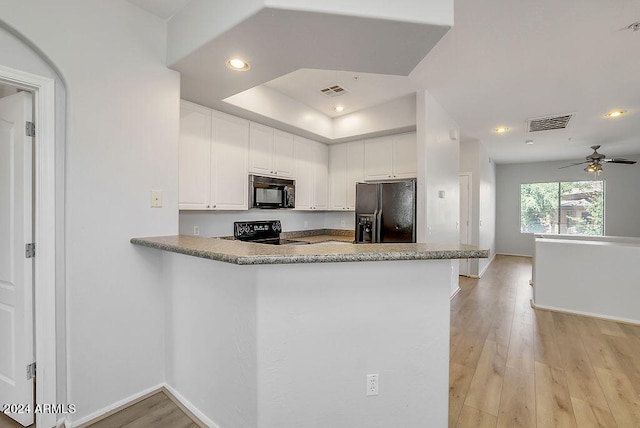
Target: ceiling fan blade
x=620, y=160
x=575, y=164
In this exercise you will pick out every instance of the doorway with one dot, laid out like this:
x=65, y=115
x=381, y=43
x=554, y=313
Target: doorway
x=465, y=219
x=16, y=255
x=43, y=292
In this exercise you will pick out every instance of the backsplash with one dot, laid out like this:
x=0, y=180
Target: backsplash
x=220, y=223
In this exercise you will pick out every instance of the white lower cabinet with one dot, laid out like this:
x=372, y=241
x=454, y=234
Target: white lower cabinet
x=311, y=174
x=346, y=168
x=214, y=151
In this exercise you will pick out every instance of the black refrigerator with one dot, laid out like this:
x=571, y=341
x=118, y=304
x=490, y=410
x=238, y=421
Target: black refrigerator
x=386, y=212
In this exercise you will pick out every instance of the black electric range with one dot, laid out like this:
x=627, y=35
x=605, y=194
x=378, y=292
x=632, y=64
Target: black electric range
x=262, y=232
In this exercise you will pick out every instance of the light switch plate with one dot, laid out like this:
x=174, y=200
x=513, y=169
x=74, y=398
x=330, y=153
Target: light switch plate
x=156, y=198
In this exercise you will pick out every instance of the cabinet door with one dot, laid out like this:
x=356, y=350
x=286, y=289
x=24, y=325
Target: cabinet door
x=355, y=171
x=321, y=176
x=260, y=149
x=338, y=176
x=404, y=156
x=194, y=157
x=303, y=172
x=230, y=149
x=378, y=158
x=282, y=154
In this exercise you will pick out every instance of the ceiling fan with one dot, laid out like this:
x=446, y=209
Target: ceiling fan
x=596, y=159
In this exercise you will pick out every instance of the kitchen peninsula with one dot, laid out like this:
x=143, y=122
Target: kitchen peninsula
x=284, y=336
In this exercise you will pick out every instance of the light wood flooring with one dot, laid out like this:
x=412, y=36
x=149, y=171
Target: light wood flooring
x=513, y=366
x=157, y=411
x=7, y=422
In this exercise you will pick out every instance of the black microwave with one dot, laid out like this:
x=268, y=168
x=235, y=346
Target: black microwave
x=270, y=192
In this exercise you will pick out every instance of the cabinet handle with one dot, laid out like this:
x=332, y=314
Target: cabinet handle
x=214, y=206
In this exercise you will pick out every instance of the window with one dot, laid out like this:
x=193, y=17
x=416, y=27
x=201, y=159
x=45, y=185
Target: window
x=567, y=207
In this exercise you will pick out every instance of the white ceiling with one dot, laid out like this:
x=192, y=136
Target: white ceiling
x=362, y=90
x=502, y=63
x=164, y=9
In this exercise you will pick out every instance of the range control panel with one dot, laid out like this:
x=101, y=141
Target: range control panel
x=256, y=230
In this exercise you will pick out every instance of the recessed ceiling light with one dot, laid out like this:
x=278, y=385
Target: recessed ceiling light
x=338, y=109
x=615, y=113
x=529, y=142
x=238, y=64
x=501, y=130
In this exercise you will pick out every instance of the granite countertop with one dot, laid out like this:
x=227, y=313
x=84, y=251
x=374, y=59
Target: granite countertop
x=325, y=250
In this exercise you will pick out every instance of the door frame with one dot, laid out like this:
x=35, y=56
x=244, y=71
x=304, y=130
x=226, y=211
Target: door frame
x=469, y=176
x=43, y=89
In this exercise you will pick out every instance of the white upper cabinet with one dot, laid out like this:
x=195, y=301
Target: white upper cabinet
x=391, y=157
x=311, y=174
x=213, y=152
x=405, y=152
x=229, y=176
x=270, y=151
x=195, y=157
x=346, y=168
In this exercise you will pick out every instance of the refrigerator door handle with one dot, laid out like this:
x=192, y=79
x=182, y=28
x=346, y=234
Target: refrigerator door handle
x=378, y=225
x=374, y=227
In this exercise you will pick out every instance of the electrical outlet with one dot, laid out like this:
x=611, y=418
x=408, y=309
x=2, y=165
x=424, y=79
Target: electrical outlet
x=343, y=223
x=372, y=384
x=196, y=230
x=306, y=224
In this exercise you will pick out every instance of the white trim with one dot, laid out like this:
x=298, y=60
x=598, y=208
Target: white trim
x=118, y=405
x=514, y=255
x=585, y=314
x=44, y=226
x=486, y=266
x=455, y=293
x=469, y=176
x=193, y=409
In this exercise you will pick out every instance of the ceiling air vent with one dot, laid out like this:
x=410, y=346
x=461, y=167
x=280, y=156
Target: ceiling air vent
x=549, y=123
x=334, y=91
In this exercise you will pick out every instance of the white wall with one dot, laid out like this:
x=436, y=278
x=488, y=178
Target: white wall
x=622, y=199
x=211, y=347
x=565, y=278
x=122, y=132
x=245, y=342
x=475, y=159
x=438, y=170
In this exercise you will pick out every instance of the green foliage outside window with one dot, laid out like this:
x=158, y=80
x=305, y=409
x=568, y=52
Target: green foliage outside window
x=575, y=207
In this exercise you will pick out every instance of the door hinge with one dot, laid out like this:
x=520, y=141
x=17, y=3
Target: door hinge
x=30, y=250
x=30, y=129
x=31, y=370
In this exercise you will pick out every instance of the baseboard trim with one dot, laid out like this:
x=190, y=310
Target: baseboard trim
x=185, y=405
x=105, y=412
x=515, y=255
x=454, y=294
x=584, y=314
x=62, y=423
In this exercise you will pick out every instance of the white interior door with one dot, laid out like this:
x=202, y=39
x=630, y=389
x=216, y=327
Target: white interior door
x=464, y=220
x=16, y=271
